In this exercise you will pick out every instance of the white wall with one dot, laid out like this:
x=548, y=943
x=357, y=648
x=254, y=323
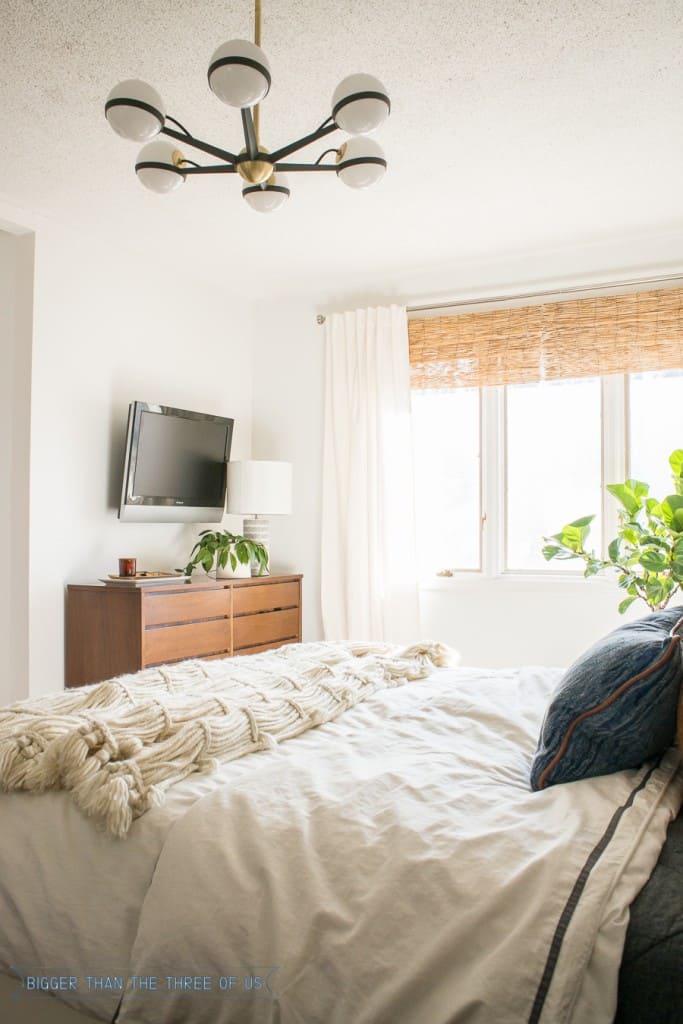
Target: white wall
x=521, y=621
x=287, y=425
x=16, y=282
x=7, y=343
x=110, y=328
x=492, y=622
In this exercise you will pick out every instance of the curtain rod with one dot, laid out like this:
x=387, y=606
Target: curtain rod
x=483, y=300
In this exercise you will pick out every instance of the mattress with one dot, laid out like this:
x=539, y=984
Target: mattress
x=391, y=865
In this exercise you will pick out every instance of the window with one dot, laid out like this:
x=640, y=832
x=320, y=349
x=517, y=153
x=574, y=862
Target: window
x=655, y=408
x=447, y=449
x=497, y=468
x=522, y=412
x=553, y=466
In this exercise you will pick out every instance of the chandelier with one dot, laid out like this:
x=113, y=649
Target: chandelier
x=239, y=75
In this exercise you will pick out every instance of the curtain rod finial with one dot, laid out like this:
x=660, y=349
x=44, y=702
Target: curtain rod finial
x=320, y=319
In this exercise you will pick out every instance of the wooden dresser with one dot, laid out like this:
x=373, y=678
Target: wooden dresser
x=115, y=629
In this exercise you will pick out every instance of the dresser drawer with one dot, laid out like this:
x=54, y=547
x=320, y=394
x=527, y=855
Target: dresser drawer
x=265, y=597
x=185, y=606
x=265, y=628
x=189, y=640
x=260, y=648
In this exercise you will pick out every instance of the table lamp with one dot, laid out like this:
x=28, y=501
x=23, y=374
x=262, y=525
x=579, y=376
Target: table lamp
x=258, y=489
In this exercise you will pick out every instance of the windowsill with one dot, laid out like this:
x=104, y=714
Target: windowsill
x=512, y=580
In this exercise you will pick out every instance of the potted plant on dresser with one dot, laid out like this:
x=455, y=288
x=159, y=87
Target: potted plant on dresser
x=230, y=554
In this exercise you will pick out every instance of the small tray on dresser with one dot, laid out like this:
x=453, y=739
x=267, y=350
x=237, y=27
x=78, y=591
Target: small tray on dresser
x=144, y=579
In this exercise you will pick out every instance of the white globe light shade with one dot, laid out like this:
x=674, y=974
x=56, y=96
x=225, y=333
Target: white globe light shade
x=361, y=162
x=135, y=110
x=268, y=197
x=239, y=73
x=360, y=104
x=155, y=167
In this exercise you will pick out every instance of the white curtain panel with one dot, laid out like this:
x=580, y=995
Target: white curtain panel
x=369, y=566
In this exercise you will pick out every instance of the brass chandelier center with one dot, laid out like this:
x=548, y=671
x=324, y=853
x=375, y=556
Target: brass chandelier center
x=257, y=171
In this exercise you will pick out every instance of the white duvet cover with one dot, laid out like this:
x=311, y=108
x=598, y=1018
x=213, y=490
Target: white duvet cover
x=391, y=866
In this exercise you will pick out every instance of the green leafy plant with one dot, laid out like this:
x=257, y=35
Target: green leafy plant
x=215, y=549
x=647, y=552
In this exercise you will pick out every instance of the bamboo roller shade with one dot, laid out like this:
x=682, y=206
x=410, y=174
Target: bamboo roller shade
x=574, y=338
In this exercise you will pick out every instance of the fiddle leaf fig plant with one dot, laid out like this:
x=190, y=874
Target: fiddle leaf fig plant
x=215, y=549
x=647, y=553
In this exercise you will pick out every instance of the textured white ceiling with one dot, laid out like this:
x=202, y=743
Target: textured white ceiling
x=516, y=124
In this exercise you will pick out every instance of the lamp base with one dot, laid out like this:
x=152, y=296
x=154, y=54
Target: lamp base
x=258, y=530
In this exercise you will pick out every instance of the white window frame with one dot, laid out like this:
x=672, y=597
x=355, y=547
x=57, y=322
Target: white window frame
x=614, y=441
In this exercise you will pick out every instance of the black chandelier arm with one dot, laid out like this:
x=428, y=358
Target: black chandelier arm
x=205, y=147
x=210, y=169
x=250, y=140
x=323, y=155
x=181, y=126
x=320, y=133
x=286, y=168
x=327, y=120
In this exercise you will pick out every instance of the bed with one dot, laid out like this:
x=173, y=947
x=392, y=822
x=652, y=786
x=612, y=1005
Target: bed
x=390, y=865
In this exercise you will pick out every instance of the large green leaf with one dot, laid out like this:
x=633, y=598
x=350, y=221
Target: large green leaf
x=572, y=537
x=638, y=488
x=676, y=463
x=558, y=551
x=626, y=603
x=658, y=589
x=551, y=551
x=625, y=495
x=652, y=539
x=614, y=549
x=677, y=561
x=672, y=512
x=653, y=560
x=583, y=522
x=574, y=534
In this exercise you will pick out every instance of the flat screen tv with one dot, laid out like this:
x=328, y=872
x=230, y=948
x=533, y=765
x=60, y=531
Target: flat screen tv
x=175, y=465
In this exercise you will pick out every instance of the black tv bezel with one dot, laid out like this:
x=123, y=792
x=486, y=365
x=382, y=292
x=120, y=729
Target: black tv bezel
x=135, y=508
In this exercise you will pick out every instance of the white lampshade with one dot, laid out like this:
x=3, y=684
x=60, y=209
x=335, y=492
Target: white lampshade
x=360, y=104
x=239, y=73
x=270, y=196
x=260, y=488
x=155, y=167
x=135, y=110
x=361, y=162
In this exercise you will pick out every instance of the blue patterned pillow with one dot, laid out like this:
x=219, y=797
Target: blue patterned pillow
x=615, y=707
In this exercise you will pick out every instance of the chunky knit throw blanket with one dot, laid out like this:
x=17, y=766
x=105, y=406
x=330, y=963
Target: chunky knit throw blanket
x=118, y=745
